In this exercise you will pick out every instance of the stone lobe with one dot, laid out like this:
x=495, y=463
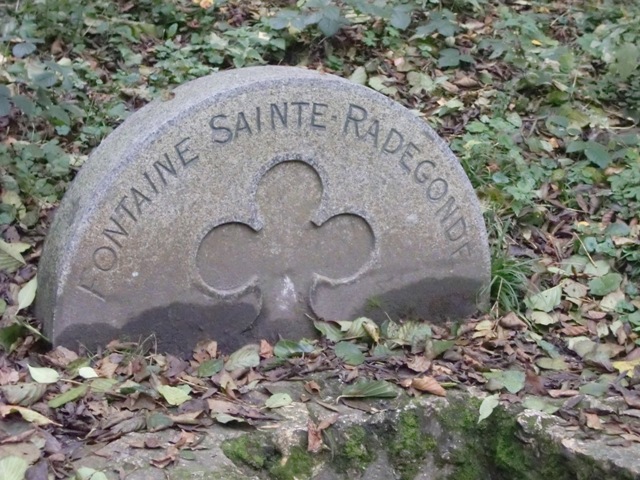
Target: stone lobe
x=252, y=199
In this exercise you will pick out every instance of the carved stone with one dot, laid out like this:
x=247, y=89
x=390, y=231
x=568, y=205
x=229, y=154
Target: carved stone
x=253, y=200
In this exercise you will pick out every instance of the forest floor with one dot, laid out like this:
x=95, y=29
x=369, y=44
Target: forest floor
x=540, y=101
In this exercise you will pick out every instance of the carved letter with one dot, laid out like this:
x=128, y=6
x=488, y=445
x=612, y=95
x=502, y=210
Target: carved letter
x=387, y=143
x=351, y=118
x=181, y=153
x=227, y=131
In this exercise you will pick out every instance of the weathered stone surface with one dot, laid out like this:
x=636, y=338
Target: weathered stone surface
x=254, y=197
x=424, y=438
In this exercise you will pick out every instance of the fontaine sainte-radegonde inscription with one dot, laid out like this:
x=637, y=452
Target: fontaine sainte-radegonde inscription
x=254, y=199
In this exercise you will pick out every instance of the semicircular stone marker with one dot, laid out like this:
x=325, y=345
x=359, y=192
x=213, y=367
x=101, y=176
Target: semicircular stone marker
x=253, y=200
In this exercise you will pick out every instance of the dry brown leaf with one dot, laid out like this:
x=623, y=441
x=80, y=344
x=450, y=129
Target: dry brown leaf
x=314, y=437
x=185, y=439
x=61, y=357
x=466, y=82
x=152, y=443
x=429, y=385
x=405, y=382
x=327, y=422
x=8, y=376
x=593, y=421
x=190, y=418
x=557, y=393
x=574, y=330
x=631, y=437
x=534, y=383
x=419, y=364
x=167, y=459
x=106, y=368
x=512, y=322
x=312, y=387
x=596, y=315
x=266, y=350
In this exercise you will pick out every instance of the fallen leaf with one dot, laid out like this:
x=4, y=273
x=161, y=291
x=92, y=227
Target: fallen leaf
x=512, y=322
x=23, y=394
x=68, y=396
x=552, y=363
x=157, y=421
x=556, y=393
x=429, y=385
x=170, y=456
x=61, y=356
x=540, y=404
x=369, y=389
x=512, y=380
x=487, y=406
x=87, y=372
x=419, y=364
x=349, y=353
x=13, y=468
x=245, y=357
x=312, y=387
x=26, y=413
x=291, y=348
x=627, y=366
x=266, y=350
x=43, y=374
x=226, y=418
x=314, y=437
x=593, y=421
x=27, y=293
x=278, y=400
x=329, y=330
x=11, y=255
x=174, y=395
x=546, y=300
x=605, y=284
x=542, y=318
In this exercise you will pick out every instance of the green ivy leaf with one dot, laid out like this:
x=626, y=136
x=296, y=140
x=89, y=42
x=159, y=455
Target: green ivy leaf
x=370, y=389
x=329, y=330
x=278, y=400
x=11, y=255
x=43, y=374
x=488, y=405
x=546, y=300
x=21, y=50
x=69, y=396
x=27, y=293
x=23, y=394
x=349, y=353
x=157, y=421
x=291, y=348
x=174, y=395
x=512, y=380
x=606, y=284
x=210, y=367
x=13, y=468
x=597, y=154
x=245, y=357
x=400, y=17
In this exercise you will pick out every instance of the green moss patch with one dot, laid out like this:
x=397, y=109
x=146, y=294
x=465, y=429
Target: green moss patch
x=249, y=450
x=298, y=466
x=409, y=445
x=257, y=453
x=493, y=449
x=355, y=453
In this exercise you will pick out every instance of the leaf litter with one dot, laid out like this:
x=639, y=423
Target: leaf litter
x=569, y=341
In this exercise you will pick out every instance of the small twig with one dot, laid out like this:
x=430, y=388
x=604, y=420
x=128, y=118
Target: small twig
x=585, y=250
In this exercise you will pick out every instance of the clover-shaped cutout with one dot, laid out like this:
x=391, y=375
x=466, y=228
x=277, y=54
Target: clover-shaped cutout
x=286, y=246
